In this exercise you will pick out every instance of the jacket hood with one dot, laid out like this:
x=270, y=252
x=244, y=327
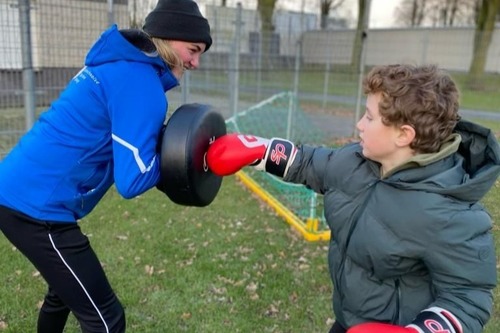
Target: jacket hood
x=467, y=174
x=129, y=45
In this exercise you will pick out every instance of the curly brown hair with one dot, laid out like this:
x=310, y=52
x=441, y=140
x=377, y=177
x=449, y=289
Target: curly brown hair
x=423, y=97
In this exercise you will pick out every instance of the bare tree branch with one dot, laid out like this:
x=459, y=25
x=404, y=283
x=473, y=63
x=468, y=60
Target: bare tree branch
x=326, y=6
x=437, y=13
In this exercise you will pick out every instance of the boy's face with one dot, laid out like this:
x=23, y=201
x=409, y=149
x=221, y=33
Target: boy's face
x=378, y=140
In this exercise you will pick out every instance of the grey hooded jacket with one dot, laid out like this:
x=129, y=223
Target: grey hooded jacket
x=412, y=239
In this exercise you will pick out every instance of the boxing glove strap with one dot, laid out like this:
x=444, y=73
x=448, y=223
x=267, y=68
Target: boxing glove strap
x=279, y=156
x=436, y=320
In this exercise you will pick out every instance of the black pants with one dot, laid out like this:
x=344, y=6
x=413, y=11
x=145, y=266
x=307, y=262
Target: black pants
x=337, y=328
x=77, y=283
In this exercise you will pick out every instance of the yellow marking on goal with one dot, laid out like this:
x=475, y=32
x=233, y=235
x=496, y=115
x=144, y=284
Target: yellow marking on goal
x=308, y=229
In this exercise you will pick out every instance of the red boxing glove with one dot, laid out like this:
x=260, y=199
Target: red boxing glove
x=380, y=328
x=230, y=153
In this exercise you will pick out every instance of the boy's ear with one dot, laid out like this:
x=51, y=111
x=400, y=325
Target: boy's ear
x=406, y=136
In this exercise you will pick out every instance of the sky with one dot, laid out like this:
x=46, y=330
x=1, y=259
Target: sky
x=381, y=11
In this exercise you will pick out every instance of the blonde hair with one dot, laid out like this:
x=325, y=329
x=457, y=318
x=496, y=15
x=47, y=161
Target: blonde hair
x=167, y=53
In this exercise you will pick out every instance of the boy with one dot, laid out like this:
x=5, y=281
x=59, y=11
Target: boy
x=411, y=248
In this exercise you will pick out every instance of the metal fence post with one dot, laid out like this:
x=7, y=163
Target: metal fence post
x=111, y=16
x=27, y=61
x=425, y=46
x=259, y=60
x=295, y=95
x=235, y=63
x=326, y=81
x=185, y=86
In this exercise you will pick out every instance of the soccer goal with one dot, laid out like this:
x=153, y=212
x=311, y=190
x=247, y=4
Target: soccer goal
x=281, y=116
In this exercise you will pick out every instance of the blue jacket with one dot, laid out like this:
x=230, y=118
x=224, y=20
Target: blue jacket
x=103, y=129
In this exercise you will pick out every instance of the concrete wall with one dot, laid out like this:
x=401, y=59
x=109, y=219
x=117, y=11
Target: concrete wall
x=62, y=31
x=450, y=48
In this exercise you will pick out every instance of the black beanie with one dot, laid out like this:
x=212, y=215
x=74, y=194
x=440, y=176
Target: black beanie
x=178, y=20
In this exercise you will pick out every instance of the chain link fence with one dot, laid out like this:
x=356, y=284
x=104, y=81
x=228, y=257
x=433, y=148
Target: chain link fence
x=43, y=44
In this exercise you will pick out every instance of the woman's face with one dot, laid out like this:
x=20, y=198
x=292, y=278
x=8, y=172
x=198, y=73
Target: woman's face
x=189, y=53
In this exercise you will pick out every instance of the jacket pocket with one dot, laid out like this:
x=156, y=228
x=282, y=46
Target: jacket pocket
x=91, y=191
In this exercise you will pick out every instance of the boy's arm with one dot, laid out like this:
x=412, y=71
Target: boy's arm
x=303, y=164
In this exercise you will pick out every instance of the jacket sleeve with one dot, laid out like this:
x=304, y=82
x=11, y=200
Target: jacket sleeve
x=462, y=263
x=323, y=168
x=137, y=113
x=310, y=166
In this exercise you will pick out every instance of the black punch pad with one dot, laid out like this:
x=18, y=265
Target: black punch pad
x=184, y=175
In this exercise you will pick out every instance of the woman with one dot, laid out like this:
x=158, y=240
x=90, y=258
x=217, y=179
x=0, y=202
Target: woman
x=102, y=130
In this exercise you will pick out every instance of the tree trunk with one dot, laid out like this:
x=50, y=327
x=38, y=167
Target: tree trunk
x=324, y=8
x=482, y=39
x=358, y=39
x=266, y=9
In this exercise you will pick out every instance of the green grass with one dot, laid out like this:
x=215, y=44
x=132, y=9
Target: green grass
x=233, y=266
x=342, y=82
x=230, y=267
x=487, y=99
